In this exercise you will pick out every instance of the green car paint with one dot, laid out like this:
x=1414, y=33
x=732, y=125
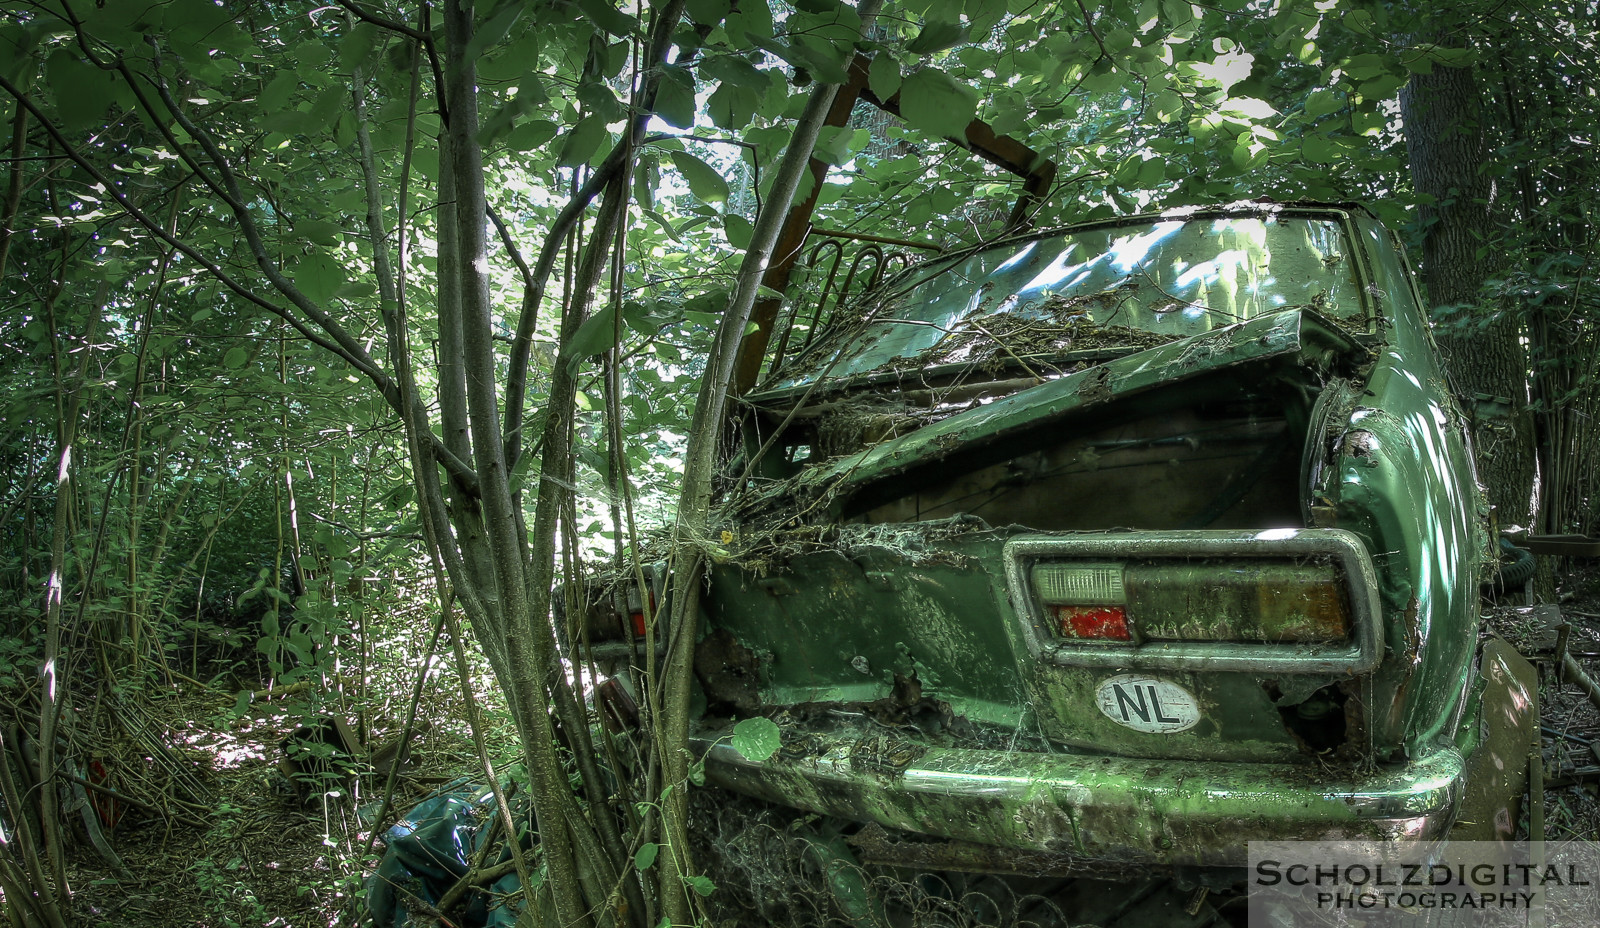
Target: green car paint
x=882, y=598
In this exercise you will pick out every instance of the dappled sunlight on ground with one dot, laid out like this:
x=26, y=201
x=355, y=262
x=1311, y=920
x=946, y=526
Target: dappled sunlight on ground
x=228, y=751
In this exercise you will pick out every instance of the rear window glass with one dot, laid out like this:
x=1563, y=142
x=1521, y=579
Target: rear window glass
x=1110, y=286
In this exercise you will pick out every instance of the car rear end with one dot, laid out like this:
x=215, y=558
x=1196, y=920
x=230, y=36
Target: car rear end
x=1141, y=609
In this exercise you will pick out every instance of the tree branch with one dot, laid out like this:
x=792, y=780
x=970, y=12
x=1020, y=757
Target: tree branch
x=522, y=343
x=409, y=32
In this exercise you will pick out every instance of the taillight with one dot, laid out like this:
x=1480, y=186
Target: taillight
x=1087, y=602
x=1258, y=600
x=636, y=613
x=1238, y=600
x=1092, y=623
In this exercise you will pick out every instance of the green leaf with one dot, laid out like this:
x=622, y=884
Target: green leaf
x=1382, y=87
x=833, y=145
x=80, y=89
x=277, y=92
x=1366, y=121
x=595, y=336
x=704, y=182
x=1357, y=21
x=311, y=56
x=675, y=97
x=603, y=14
x=732, y=69
x=356, y=290
x=1248, y=153
x=1321, y=102
x=1366, y=67
x=636, y=314
x=645, y=857
x=1321, y=150
x=757, y=739
x=1119, y=41
x=937, y=35
x=582, y=142
x=197, y=19
x=808, y=183
x=826, y=61
x=531, y=89
x=599, y=100
x=708, y=12
x=749, y=22
x=237, y=357
x=666, y=226
x=646, y=178
x=702, y=885
x=883, y=76
x=530, y=135
x=289, y=122
x=937, y=103
x=709, y=303
x=738, y=230
x=1168, y=105
x=1453, y=57
x=490, y=33
x=318, y=276
x=357, y=46
x=319, y=231
x=732, y=107
x=328, y=106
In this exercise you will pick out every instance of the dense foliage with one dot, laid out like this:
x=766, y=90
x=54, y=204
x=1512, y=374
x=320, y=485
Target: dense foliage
x=263, y=348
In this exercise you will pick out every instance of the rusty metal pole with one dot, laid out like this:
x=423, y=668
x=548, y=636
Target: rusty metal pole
x=791, y=238
x=1037, y=173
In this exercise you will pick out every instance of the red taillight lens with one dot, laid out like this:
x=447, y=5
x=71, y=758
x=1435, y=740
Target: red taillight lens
x=1100, y=623
x=636, y=614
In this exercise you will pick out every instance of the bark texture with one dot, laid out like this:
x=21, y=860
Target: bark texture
x=1442, y=113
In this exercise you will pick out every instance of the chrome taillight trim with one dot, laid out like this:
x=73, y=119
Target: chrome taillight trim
x=1360, y=655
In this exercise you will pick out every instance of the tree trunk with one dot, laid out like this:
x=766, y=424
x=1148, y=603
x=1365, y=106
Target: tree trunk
x=1444, y=141
x=694, y=502
x=526, y=648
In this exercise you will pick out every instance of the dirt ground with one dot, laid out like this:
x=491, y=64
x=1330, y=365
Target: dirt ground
x=270, y=853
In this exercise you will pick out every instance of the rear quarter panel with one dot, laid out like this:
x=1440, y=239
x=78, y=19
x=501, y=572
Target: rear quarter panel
x=1402, y=477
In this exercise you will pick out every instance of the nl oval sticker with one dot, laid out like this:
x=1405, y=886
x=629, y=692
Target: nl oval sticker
x=1147, y=704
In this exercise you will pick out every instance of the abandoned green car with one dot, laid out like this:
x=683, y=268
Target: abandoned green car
x=1117, y=546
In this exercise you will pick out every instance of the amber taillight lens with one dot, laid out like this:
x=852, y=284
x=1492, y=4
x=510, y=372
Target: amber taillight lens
x=1265, y=600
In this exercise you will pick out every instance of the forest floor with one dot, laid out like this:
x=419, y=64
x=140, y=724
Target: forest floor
x=1569, y=720
x=271, y=854
x=274, y=851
